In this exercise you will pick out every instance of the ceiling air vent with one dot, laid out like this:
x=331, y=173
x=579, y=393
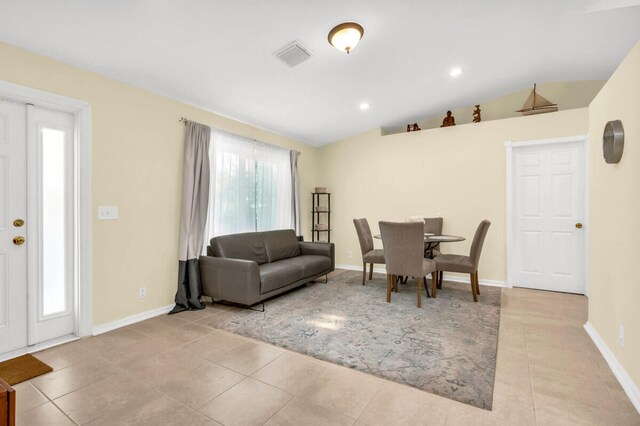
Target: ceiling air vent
x=293, y=54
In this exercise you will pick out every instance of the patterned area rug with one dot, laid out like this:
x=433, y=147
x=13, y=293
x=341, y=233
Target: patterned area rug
x=447, y=348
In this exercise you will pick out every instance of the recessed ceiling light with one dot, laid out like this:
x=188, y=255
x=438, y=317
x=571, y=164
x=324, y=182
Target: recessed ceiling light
x=455, y=72
x=364, y=106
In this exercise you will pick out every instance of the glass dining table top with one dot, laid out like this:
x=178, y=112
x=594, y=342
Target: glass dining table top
x=432, y=238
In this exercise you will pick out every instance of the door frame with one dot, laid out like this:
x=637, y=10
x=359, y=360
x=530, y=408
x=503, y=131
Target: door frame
x=510, y=146
x=81, y=110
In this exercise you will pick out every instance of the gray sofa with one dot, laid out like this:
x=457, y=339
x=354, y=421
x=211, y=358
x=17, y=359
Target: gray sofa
x=251, y=267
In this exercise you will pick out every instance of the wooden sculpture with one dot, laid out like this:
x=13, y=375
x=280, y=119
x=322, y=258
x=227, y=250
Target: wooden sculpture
x=449, y=120
x=476, y=114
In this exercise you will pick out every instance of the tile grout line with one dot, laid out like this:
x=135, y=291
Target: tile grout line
x=280, y=409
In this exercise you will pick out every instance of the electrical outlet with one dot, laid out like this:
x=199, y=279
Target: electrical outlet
x=142, y=293
x=349, y=254
x=621, y=335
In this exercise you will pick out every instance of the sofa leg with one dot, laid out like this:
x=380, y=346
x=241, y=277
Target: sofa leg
x=326, y=279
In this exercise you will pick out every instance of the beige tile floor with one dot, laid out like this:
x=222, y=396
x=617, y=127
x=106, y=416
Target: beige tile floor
x=178, y=370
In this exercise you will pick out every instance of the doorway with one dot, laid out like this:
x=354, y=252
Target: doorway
x=546, y=214
x=44, y=228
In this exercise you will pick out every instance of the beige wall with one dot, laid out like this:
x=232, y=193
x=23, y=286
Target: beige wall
x=614, y=286
x=567, y=94
x=458, y=172
x=137, y=161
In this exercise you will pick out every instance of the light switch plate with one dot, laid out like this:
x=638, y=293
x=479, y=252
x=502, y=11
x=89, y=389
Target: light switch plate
x=107, y=212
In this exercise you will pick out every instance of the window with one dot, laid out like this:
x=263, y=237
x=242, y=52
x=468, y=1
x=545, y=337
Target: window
x=250, y=186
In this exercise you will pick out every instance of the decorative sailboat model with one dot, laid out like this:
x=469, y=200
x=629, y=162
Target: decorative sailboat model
x=536, y=104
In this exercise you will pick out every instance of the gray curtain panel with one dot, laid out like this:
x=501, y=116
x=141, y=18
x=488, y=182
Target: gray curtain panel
x=295, y=192
x=195, y=202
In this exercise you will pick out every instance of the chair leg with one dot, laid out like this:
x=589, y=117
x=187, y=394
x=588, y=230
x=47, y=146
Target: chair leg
x=370, y=271
x=395, y=283
x=473, y=288
x=388, y=288
x=440, y=278
x=477, y=283
x=434, y=284
x=364, y=271
x=426, y=288
x=419, y=292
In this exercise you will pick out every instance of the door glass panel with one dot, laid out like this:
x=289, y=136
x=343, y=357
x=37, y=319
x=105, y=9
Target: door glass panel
x=53, y=222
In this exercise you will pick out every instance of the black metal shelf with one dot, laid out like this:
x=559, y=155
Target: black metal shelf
x=315, y=215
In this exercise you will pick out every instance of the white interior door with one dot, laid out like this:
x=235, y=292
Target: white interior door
x=13, y=208
x=548, y=213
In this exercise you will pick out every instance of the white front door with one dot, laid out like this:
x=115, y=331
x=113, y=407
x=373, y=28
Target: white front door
x=37, y=225
x=50, y=161
x=548, y=214
x=13, y=209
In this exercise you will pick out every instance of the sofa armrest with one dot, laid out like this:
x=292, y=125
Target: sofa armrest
x=233, y=280
x=319, y=249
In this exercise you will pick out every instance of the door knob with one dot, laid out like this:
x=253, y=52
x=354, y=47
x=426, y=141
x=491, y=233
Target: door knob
x=18, y=223
x=579, y=225
x=19, y=240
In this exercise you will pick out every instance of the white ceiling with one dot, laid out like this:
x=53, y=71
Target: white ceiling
x=217, y=54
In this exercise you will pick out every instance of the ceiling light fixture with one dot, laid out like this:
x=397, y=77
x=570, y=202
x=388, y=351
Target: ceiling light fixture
x=346, y=36
x=455, y=72
x=364, y=106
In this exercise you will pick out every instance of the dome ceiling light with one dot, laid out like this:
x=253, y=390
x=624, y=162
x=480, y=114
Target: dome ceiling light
x=346, y=36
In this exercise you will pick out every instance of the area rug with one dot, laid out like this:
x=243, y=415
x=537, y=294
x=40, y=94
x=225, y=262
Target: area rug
x=448, y=347
x=22, y=368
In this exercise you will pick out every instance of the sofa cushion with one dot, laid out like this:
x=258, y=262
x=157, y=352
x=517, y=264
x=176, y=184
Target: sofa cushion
x=279, y=274
x=281, y=244
x=312, y=264
x=247, y=246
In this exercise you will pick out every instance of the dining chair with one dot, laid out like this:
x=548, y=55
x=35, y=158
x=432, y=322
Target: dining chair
x=369, y=254
x=433, y=225
x=403, y=246
x=467, y=264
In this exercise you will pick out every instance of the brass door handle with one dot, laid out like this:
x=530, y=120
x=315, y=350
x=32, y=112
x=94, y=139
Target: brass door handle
x=19, y=240
x=579, y=225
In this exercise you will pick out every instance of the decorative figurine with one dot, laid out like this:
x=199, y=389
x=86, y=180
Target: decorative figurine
x=476, y=114
x=449, y=120
x=413, y=127
x=537, y=104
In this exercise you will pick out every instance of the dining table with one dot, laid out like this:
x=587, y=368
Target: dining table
x=431, y=241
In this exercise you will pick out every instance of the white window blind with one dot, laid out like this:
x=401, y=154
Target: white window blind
x=250, y=186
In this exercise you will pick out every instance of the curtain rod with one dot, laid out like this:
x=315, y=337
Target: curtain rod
x=184, y=120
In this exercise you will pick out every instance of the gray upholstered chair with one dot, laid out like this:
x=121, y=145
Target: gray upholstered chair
x=403, y=245
x=433, y=225
x=369, y=254
x=467, y=264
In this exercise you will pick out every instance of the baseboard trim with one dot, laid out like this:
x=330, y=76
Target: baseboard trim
x=630, y=388
x=447, y=277
x=103, y=328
